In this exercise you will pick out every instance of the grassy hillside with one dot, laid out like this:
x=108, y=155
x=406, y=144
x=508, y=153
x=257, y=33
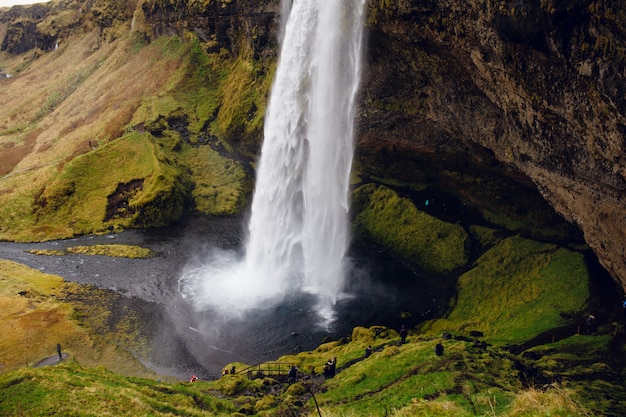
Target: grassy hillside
x=39, y=311
x=568, y=374
x=130, y=134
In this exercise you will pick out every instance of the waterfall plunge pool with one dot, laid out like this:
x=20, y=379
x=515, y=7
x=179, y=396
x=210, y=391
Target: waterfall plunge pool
x=186, y=339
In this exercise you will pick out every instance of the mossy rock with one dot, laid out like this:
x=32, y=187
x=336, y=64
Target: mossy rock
x=517, y=290
x=266, y=402
x=296, y=389
x=398, y=225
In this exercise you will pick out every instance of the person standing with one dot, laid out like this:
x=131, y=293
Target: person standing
x=591, y=324
x=403, y=334
x=59, y=351
x=368, y=351
x=333, y=367
x=293, y=374
x=330, y=367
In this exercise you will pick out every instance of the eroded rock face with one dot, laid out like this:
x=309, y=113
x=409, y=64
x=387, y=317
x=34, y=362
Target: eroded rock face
x=219, y=23
x=540, y=85
x=20, y=32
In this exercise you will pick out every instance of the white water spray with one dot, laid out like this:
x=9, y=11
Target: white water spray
x=299, y=225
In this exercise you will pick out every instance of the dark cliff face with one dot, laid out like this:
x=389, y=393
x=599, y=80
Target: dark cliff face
x=222, y=24
x=21, y=33
x=534, y=90
x=537, y=87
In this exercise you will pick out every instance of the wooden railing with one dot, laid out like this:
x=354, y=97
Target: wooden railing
x=267, y=369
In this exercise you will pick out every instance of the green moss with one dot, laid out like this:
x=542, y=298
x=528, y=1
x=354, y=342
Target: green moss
x=397, y=224
x=219, y=96
x=485, y=236
x=517, y=290
x=77, y=199
x=243, y=89
x=120, y=251
x=236, y=384
x=218, y=181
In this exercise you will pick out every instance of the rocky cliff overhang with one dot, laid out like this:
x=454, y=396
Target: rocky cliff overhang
x=537, y=87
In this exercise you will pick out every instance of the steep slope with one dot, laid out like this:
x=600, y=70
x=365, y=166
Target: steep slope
x=114, y=129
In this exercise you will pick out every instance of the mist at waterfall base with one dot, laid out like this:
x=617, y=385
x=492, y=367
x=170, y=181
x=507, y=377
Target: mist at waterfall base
x=187, y=339
x=379, y=291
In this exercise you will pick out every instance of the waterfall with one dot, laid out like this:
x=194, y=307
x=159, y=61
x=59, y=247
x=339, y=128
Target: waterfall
x=285, y=9
x=299, y=230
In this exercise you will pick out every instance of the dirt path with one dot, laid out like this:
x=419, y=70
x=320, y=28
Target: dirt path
x=51, y=360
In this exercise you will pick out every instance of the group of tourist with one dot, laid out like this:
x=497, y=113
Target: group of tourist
x=330, y=367
x=403, y=335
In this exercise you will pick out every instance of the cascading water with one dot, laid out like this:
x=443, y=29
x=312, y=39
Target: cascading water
x=299, y=226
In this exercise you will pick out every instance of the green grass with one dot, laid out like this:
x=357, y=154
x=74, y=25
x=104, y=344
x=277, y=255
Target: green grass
x=75, y=202
x=395, y=223
x=71, y=390
x=517, y=290
x=218, y=182
x=120, y=251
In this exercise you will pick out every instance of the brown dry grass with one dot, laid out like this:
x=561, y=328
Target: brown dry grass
x=554, y=401
x=58, y=107
x=32, y=324
x=98, y=94
x=13, y=153
x=33, y=320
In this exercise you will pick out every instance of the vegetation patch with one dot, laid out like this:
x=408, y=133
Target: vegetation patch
x=69, y=389
x=396, y=224
x=517, y=290
x=41, y=310
x=120, y=251
x=113, y=250
x=78, y=197
x=218, y=182
x=175, y=140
